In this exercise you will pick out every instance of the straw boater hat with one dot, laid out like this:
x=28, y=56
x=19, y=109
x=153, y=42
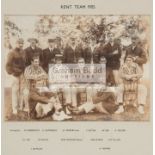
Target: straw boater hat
x=51, y=40
x=58, y=56
x=32, y=39
x=58, y=39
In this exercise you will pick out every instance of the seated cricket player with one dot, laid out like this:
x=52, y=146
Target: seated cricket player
x=131, y=73
x=102, y=102
x=36, y=72
x=41, y=100
x=57, y=83
x=44, y=104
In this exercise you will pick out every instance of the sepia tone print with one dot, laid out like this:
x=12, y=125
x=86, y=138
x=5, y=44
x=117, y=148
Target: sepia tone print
x=77, y=68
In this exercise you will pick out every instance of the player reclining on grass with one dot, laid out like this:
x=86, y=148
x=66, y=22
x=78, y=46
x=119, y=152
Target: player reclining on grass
x=103, y=102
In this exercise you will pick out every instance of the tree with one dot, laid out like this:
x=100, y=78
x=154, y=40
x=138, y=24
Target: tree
x=11, y=30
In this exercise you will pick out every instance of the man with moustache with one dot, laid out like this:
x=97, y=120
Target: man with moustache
x=131, y=74
x=15, y=67
x=112, y=52
x=87, y=52
x=69, y=52
x=59, y=44
x=101, y=51
x=78, y=50
x=32, y=51
x=136, y=51
x=113, y=56
x=49, y=54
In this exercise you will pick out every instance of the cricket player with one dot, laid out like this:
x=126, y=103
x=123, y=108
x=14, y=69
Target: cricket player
x=131, y=73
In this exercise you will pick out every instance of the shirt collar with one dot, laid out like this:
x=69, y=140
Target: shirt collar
x=33, y=48
x=73, y=47
x=111, y=43
x=133, y=47
x=51, y=49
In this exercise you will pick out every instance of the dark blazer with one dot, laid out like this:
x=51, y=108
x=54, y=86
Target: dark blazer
x=113, y=60
x=49, y=57
x=87, y=55
x=96, y=55
x=29, y=53
x=69, y=55
x=137, y=51
x=98, y=52
x=16, y=62
x=78, y=52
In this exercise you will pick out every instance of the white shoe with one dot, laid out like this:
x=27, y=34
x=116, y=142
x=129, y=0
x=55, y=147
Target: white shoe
x=65, y=116
x=141, y=109
x=67, y=111
x=120, y=110
x=60, y=116
x=15, y=111
x=57, y=117
x=26, y=109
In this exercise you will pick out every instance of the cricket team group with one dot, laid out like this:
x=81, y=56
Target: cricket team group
x=31, y=92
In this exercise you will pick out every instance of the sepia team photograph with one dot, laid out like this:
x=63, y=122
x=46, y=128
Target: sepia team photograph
x=76, y=68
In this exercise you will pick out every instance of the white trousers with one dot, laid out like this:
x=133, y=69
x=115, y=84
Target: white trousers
x=15, y=93
x=19, y=94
